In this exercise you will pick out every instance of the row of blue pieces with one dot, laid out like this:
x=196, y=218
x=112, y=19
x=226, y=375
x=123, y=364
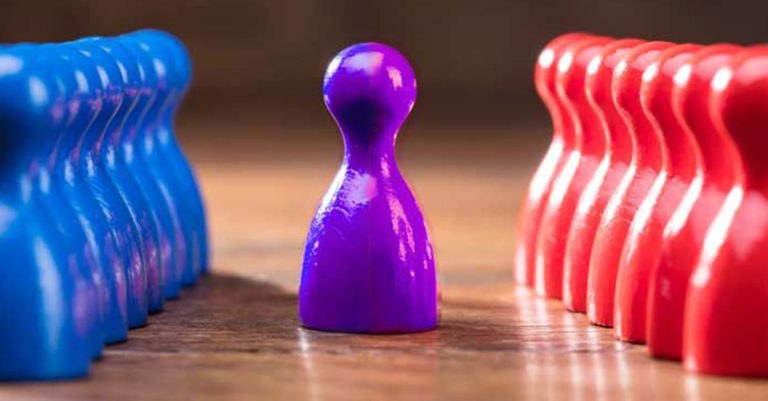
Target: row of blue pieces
x=101, y=218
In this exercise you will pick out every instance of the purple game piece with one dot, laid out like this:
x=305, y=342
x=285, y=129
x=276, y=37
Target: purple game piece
x=368, y=263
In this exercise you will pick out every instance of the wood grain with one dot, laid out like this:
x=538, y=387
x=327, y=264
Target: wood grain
x=235, y=335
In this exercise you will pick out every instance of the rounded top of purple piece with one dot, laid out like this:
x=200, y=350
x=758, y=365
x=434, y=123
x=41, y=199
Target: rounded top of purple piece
x=369, y=88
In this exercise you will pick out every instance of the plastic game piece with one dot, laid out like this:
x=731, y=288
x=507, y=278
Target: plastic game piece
x=116, y=214
x=666, y=238
x=726, y=319
x=642, y=177
x=681, y=164
x=580, y=165
x=170, y=267
x=50, y=190
x=162, y=155
x=46, y=326
x=85, y=106
x=188, y=191
x=607, y=176
x=115, y=153
x=83, y=125
x=137, y=141
x=152, y=166
x=684, y=234
x=535, y=199
x=368, y=262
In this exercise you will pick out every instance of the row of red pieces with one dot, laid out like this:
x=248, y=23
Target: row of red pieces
x=649, y=210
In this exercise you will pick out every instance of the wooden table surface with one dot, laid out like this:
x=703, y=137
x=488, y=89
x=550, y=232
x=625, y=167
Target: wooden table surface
x=236, y=336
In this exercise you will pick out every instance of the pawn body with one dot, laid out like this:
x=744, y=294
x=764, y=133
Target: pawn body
x=681, y=166
x=171, y=161
x=684, y=234
x=51, y=193
x=606, y=179
x=581, y=164
x=726, y=321
x=47, y=321
x=535, y=201
x=86, y=107
x=115, y=212
x=172, y=241
x=641, y=177
x=368, y=264
x=47, y=308
x=116, y=155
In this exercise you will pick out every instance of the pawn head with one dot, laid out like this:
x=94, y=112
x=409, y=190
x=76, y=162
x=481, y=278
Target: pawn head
x=174, y=54
x=369, y=88
x=738, y=105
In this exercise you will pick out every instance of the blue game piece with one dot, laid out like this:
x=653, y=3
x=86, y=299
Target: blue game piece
x=122, y=225
x=157, y=161
x=100, y=215
x=138, y=140
x=179, y=79
x=116, y=152
x=368, y=262
x=50, y=189
x=46, y=306
x=85, y=106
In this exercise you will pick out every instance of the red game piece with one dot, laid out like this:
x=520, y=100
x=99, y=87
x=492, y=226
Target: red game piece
x=726, y=315
x=606, y=178
x=681, y=164
x=536, y=196
x=647, y=159
x=581, y=163
x=684, y=234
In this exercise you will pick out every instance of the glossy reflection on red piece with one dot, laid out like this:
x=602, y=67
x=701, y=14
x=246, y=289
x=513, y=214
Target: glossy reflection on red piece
x=579, y=167
x=532, y=207
x=684, y=233
x=609, y=172
x=681, y=165
x=726, y=316
x=642, y=177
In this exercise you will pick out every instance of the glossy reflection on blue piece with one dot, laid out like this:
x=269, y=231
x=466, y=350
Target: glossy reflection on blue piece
x=117, y=153
x=161, y=165
x=172, y=242
x=186, y=189
x=69, y=170
x=100, y=217
x=46, y=306
x=92, y=170
x=50, y=188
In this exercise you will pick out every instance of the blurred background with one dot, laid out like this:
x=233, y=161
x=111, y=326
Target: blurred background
x=474, y=59
x=255, y=126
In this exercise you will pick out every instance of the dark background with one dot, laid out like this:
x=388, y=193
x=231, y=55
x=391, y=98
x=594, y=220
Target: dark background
x=264, y=60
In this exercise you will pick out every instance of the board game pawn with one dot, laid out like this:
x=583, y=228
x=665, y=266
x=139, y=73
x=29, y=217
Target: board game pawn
x=684, y=234
x=368, y=262
x=726, y=319
x=49, y=188
x=610, y=171
x=158, y=163
x=115, y=154
x=45, y=332
x=114, y=209
x=185, y=189
x=580, y=165
x=86, y=105
x=643, y=173
x=172, y=242
x=535, y=200
x=681, y=166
